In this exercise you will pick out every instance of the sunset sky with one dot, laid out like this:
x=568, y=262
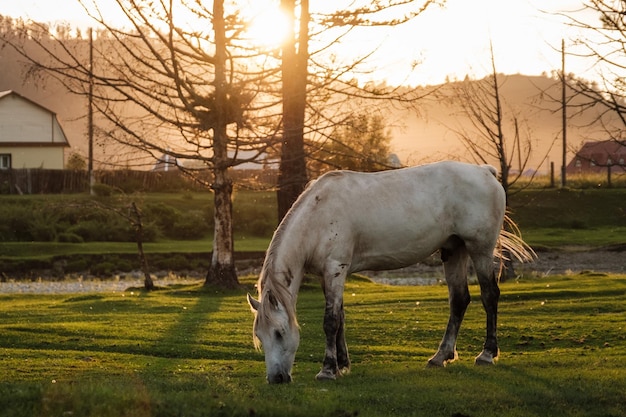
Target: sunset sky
x=447, y=42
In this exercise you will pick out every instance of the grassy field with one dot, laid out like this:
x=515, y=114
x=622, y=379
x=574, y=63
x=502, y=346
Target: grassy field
x=187, y=351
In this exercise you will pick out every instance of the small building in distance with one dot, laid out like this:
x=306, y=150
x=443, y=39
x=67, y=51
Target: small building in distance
x=599, y=157
x=30, y=134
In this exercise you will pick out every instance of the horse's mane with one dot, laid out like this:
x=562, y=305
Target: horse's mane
x=269, y=285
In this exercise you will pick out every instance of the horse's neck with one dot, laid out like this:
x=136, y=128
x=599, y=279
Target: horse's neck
x=286, y=266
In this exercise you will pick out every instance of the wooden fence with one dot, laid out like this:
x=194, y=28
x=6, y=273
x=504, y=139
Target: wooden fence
x=55, y=181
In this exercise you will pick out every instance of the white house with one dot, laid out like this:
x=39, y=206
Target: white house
x=30, y=134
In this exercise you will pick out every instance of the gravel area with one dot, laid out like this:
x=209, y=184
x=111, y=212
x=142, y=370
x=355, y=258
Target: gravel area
x=567, y=261
x=73, y=285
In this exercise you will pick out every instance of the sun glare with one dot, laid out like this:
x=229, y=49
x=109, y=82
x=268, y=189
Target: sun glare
x=269, y=28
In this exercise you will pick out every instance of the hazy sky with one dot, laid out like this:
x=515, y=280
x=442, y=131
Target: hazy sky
x=452, y=41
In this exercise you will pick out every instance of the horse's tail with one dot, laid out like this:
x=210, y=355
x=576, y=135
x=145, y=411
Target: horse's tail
x=511, y=245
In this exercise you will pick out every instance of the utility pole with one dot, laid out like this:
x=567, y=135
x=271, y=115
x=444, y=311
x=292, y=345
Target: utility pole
x=564, y=114
x=90, y=115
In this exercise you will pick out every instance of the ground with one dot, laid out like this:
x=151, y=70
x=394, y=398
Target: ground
x=564, y=261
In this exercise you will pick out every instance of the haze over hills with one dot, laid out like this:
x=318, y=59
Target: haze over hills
x=432, y=135
x=418, y=136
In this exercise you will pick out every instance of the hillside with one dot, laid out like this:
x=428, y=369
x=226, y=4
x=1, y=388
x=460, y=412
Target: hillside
x=430, y=134
x=422, y=135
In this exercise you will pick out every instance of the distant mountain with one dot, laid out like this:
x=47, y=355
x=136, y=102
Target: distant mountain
x=429, y=134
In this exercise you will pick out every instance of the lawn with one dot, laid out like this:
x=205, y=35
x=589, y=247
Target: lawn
x=187, y=351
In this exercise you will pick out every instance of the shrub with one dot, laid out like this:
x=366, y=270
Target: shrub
x=77, y=265
x=102, y=190
x=112, y=230
x=162, y=215
x=175, y=263
x=190, y=226
x=68, y=237
x=103, y=269
x=43, y=225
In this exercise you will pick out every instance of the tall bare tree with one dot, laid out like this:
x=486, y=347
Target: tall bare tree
x=294, y=65
x=320, y=92
x=163, y=88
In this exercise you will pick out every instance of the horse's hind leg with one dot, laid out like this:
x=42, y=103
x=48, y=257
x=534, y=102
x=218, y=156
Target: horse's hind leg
x=343, y=359
x=455, y=268
x=490, y=294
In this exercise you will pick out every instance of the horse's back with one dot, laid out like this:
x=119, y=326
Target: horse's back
x=442, y=182
x=399, y=217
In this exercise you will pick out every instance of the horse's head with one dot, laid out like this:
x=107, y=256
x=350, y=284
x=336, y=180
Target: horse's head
x=275, y=328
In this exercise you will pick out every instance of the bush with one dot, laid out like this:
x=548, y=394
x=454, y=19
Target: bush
x=68, y=237
x=162, y=215
x=103, y=190
x=77, y=265
x=103, y=269
x=190, y=226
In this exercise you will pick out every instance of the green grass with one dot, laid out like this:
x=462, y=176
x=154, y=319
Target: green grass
x=561, y=237
x=188, y=351
x=44, y=250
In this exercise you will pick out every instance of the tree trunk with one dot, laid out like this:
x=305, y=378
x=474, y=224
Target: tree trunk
x=292, y=176
x=147, y=279
x=222, y=270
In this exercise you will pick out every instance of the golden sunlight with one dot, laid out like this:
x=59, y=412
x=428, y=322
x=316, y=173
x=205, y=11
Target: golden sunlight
x=269, y=27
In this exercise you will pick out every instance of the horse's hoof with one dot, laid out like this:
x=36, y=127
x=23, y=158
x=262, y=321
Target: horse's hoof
x=325, y=376
x=344, y=371
x=485, y=358
x=433, y=363
x=439, y=360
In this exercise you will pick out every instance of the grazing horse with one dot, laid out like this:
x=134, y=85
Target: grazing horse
x=346, y=222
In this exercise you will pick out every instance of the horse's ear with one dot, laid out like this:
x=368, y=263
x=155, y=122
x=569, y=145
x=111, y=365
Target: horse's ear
x=254, y=304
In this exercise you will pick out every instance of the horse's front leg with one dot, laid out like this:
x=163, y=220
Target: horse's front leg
x=336, y=353
x=336, y=359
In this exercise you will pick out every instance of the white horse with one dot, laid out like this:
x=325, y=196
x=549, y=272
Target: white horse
x=346, y=222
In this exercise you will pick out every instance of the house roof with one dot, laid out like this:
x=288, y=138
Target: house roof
x=598, y=157
x=600, y=152
x=7, y=93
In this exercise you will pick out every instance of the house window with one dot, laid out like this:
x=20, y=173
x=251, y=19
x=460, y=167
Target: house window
x=5, y=161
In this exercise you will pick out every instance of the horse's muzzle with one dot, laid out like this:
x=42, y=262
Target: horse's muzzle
x=279, y=378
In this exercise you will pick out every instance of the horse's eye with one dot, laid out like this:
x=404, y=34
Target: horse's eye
x=278, y=335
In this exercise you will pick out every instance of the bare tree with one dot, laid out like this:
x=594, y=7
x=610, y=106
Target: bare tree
x=604, y=41
x=498, y=133
x=160, y=88
x=292, y=176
